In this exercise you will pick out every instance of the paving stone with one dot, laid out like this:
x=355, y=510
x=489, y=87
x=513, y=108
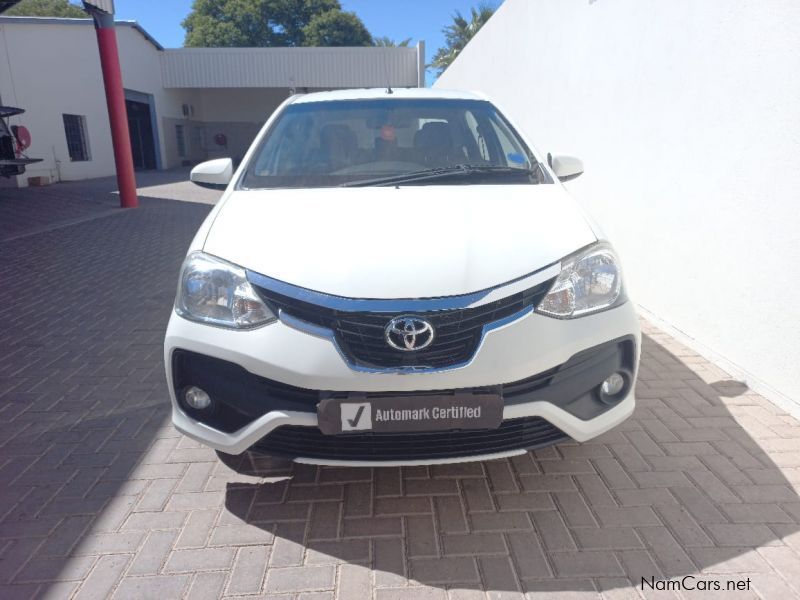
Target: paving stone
x=471, y=544
x=421, y=536
x=586, y=563
x=248, y=571
x=157, y=586
x=202, y=559
x=103, y=577
x=299, y=579
x=444, y=570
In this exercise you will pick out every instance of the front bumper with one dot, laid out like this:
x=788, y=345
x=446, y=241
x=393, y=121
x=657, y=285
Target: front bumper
x=533, y=344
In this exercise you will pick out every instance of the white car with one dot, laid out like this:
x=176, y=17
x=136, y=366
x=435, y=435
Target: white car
x=396, y=277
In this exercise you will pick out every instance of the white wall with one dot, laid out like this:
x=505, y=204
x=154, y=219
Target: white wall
x=43, y=82
x=54, y=69
x=687, y=115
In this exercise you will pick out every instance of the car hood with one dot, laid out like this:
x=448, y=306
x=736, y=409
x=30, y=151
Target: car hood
x=399, y=242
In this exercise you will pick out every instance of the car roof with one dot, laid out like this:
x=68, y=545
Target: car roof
x=383, y=93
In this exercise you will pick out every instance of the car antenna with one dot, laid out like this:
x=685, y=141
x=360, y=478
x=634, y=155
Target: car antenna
x=388, y=79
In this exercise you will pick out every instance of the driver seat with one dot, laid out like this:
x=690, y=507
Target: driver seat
x=434, y=143
x=338, y=144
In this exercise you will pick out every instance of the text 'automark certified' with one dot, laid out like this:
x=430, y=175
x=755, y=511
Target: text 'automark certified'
x=405, y=413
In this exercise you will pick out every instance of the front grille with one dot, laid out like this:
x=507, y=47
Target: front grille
x=360, y=335
x=310, y=442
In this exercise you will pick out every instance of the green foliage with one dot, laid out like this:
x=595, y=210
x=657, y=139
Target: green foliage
x=336, y=28
x=264, y=23
x=387, y=42
x=46, y=8
x=458, y=34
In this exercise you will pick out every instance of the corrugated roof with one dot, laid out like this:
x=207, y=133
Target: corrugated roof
x=289, y=67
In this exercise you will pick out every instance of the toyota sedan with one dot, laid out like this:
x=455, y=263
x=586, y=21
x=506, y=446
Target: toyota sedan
x=397, y=277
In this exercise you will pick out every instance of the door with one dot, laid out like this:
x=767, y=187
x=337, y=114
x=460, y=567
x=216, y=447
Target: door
x=140, y=125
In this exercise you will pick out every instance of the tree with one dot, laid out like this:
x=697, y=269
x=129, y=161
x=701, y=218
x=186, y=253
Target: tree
x=46, y=8
x=459, y=33
x=265, y=23
x=336, y=28
x=387, y=42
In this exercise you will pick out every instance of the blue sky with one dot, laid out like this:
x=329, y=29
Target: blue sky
x=397, y=19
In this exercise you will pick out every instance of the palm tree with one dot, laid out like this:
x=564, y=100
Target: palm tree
x=459, y=33
x=387, y=42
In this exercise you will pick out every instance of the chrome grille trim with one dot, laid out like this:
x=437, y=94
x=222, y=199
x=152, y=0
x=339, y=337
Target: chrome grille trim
x=406, y=305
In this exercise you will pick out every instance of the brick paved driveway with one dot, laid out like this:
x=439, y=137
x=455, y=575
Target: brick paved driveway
x=99, y=496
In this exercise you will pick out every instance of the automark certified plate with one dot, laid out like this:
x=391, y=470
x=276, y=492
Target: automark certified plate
x=410, y=413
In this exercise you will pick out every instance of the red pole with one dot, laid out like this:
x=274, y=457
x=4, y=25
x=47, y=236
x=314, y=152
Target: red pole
x=117, y=115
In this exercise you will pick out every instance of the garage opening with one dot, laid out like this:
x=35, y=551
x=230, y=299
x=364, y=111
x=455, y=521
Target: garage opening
x=140, y=124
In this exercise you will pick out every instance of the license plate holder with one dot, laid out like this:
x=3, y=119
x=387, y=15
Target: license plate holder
x=438, y=412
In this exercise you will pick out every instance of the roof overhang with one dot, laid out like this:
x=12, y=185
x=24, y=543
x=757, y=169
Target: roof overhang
x=318, y=68
x=78, y=22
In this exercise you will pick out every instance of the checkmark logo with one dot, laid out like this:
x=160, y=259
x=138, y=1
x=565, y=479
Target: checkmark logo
x=353, y=422
x=356, y=416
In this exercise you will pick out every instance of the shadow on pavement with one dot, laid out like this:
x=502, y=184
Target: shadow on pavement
x=82, y=386
x=685, y=487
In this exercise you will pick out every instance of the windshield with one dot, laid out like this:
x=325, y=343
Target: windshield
x=333, y=143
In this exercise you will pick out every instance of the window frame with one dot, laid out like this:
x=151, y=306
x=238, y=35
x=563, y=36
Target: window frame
x=78, y=148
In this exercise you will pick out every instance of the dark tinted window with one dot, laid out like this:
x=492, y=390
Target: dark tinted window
x=77, y=139
x=329, y=143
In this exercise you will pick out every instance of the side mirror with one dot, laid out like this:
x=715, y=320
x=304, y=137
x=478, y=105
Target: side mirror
x=566, y=168
x=213, y=174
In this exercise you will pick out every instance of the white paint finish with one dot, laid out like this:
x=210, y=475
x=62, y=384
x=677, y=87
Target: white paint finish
x=410, y=241
x=567, y=168
x=289, y=67
x=686, y=116
x=213, y=172
x=381, y=92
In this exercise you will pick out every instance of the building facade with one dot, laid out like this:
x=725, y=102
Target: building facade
x=184, y=105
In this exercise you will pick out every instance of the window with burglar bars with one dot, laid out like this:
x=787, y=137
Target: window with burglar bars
x=77, y=140
x=181, y=140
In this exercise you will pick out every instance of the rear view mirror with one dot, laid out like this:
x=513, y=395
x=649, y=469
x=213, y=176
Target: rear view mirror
x=213, y=174
x=566, y=168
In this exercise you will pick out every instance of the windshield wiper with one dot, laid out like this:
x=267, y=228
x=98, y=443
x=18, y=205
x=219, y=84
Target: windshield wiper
x=439, y=172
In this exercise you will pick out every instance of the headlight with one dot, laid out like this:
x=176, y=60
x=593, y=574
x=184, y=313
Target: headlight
x=590, y=281
x=216, y=292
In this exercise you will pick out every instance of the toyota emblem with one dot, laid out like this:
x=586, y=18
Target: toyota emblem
x=409, y=334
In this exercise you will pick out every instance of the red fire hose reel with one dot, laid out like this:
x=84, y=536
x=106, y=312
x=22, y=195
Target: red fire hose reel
x=22, y=136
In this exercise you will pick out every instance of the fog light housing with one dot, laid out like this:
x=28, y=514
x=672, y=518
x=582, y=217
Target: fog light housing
x=196, y=398
x=613, y=388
